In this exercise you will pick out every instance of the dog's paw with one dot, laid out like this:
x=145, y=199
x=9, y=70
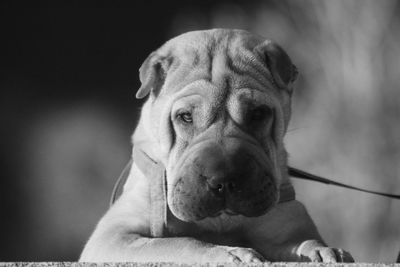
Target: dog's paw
x=233, y=254
x=329, y=255
x=313, y=250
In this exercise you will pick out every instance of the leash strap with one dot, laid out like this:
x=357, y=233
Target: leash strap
x=308, y=176
x=155, y=172
x=158, y=196
x=286, y=192
x=119, y=185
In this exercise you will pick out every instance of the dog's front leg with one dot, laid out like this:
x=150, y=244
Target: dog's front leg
x=132, y=247
x=294, y=236
x=123, y=235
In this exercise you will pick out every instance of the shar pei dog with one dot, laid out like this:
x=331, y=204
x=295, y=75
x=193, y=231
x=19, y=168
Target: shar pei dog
x=209, y=179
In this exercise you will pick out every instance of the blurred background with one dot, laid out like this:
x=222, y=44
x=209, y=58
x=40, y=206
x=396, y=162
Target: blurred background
x=68, y=78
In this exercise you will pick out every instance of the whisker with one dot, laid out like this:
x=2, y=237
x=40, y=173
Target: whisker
x=295, y=129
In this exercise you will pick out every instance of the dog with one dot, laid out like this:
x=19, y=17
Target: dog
x=208, y=181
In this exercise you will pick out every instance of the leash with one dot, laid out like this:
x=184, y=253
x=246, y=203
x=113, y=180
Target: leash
x=296, y=173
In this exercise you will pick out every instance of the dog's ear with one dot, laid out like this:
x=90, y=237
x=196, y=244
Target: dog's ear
x=283, y=71
x=152, y=75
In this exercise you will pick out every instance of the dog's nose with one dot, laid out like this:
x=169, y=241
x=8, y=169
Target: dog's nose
x=219, y=186
x=216, y=185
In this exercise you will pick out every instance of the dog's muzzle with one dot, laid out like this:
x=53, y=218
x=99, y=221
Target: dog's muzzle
x=229, y=177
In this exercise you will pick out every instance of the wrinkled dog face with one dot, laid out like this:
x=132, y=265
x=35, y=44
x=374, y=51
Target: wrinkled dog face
x=219, y=104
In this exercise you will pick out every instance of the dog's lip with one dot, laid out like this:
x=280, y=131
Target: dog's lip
x=230, y=212
x=224, y=211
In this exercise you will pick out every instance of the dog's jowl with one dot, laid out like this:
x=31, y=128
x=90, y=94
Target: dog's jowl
x=209, y=178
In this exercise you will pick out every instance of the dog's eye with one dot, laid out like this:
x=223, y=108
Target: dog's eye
x=185, y=117
x=259, y=114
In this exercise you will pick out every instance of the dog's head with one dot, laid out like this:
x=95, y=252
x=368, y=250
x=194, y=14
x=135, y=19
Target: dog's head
x=218, y=109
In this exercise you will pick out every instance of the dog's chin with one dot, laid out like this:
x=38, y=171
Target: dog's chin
x=197, y=215
x=229, y=213
x=222, y=221
x=193, y=214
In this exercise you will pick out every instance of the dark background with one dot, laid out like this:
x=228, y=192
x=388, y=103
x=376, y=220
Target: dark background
x=68, y=76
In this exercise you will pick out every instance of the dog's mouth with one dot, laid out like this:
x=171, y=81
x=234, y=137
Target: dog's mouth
x=228, y=212
x=192, y=200
x=189, y=209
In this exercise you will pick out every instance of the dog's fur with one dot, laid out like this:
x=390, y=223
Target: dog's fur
x=217, y=113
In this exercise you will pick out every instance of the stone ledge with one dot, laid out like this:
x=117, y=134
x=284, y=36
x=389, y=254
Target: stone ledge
x=161, y=264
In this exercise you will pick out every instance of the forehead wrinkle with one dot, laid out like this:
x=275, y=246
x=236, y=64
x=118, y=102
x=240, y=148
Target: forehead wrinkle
x=239, y=79
x=195, y=57
x=192, y=88
x=240, y=83
x=251, y=65
x=220, y=74
x=218, y=57
x=235, y=102
x=242, y=61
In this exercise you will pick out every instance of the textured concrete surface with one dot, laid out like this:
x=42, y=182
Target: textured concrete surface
x=279, y=264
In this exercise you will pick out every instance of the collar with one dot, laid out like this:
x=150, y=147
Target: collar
x=155, y=171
